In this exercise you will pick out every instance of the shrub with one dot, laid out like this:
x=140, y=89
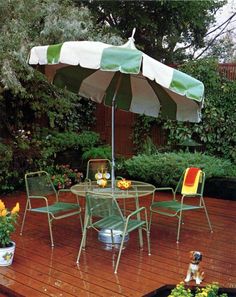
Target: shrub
x=6, y=175
x=28, y=151
x=14, y=161
x=164, y=169
x=100, y=152
x=57, y=142
x=87, y=140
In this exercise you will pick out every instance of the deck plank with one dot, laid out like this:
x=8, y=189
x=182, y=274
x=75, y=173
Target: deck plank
x=39, y=270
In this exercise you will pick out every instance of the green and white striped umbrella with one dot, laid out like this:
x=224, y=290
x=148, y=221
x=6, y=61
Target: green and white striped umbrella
x=147, y=86
x=122, y=77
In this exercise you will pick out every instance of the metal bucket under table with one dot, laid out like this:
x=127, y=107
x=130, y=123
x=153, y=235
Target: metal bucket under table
x=104, y=235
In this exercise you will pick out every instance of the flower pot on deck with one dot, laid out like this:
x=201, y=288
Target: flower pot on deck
x=7, y=254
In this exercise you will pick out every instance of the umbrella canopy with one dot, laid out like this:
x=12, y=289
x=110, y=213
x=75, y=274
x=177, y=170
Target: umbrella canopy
x=122, y=77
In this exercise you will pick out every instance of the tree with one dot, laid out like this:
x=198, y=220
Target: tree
x=31, y=109
x=165, y=29
x=25, y=96
x=223, y=49
x=219, y=41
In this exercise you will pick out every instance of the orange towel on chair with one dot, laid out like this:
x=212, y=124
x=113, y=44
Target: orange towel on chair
x=190, y=176
x=191, y=180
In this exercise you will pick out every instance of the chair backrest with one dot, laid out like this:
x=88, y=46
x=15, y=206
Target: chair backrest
x=97, y=165
x=102, y=205
x=193, y=181
x=39, y=183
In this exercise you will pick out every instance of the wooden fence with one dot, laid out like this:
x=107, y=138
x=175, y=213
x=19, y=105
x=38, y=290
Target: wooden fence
x=228, y=70
x=125, y=121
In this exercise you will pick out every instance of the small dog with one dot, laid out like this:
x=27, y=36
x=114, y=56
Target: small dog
x=194, y=271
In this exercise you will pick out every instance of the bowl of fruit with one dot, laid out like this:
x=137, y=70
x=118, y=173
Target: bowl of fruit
x=124, y=184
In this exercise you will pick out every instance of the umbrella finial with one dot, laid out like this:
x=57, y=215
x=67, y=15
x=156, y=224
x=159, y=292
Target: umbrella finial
x=133, y=32
x=130, y=43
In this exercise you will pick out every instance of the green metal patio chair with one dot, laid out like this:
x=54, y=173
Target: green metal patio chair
x=42, y=197
x=103, y=212
x=191, y=184
x=102, y=166
x=97, y=165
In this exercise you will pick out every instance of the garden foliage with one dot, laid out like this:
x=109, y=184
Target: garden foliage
x=217, y=130
x=63, y=176
x=38, y=121
x=165, y=169
x=31, y=152
x=211, y=290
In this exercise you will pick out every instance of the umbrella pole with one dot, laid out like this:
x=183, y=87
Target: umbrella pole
x=113, y=132
x=113, y=145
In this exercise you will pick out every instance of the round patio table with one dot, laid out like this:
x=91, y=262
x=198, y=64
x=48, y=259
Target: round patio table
x=137, y=190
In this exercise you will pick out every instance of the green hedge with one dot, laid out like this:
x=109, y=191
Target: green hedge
x=165, y=169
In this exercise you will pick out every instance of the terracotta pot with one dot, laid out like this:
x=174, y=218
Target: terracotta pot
x=7, y=254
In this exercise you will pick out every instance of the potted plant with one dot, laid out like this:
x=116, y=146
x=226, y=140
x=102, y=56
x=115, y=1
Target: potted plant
x=211, y=290
x=8, y=220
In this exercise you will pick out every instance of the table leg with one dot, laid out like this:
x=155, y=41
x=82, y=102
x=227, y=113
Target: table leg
x=85, y=226
x=139, y=218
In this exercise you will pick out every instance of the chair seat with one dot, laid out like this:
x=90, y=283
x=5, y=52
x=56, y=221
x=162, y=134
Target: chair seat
x=57, y=207
x=173, y=205
x=116, y=223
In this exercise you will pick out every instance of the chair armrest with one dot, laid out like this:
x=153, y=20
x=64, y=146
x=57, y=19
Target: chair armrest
x=165, y=189
x=66, y=191
x=38, y=197
x=196, y=195
x=63, y=190
x=136, y=212
x=192, y=195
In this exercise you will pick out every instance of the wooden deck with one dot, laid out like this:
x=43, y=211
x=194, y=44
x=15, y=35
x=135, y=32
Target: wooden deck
x=39, y=270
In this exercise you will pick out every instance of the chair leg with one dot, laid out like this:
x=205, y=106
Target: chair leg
x=179, y=226
x=150, y=221
x=207, y=216
x=50, y=229
x=139, y=218
x=148, y=242
x=80, y=217
x=83, y=240
x=120, y=250
x=81, y=222
x=23, y=221
x=148, y=235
